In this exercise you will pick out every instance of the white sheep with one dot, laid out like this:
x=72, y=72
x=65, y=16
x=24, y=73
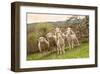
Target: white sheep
x=60, y=44
x=59, y=41
x=71, y=38
x=42, y=43
x=52, y=39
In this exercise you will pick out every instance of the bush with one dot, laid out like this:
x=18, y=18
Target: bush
x=43, y=28
x=32, y=39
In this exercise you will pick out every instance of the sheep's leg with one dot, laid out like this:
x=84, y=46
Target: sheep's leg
x=77, y=42
x=61, y=51
x=69, y=45
x=39, y=46
x=72, y=44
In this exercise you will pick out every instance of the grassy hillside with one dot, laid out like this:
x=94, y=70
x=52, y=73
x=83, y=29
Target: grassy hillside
x=78, y=52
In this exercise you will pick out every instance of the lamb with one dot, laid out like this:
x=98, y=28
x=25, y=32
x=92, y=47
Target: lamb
x=56, y=39
x=52, y=40
x=71, y=38
x=42, y=44
x=60, y=44
x=59, y=41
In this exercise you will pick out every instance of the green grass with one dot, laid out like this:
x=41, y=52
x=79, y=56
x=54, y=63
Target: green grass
x=81, y=51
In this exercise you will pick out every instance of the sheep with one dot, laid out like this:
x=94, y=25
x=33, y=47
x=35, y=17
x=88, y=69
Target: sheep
x=57, y=30
x=42, y=43
x=52, y=40
x=59, y=41
x=60, y=44
x=71, y=37
x=56, y=40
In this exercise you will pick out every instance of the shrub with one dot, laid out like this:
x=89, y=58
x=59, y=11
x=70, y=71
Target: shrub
x=43, y=28
x=40, y=29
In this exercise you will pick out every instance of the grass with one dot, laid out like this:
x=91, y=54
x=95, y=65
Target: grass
x=81, y=51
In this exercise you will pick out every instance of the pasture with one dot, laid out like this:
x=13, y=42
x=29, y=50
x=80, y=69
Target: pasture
x=78, y=52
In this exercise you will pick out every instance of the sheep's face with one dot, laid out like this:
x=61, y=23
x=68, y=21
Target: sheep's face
x=68, y=28
x=59, y=35
x=57, y=29
x=41, y=39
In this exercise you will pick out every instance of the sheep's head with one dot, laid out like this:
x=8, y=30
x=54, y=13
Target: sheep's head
x=41, y=39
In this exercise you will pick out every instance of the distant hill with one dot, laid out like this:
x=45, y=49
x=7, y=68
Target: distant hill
x=67, y=22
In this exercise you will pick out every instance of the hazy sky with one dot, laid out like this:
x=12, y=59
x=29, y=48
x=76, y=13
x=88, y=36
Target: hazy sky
x=33, y=18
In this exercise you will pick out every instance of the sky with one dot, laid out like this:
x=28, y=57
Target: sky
x=33, y=18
